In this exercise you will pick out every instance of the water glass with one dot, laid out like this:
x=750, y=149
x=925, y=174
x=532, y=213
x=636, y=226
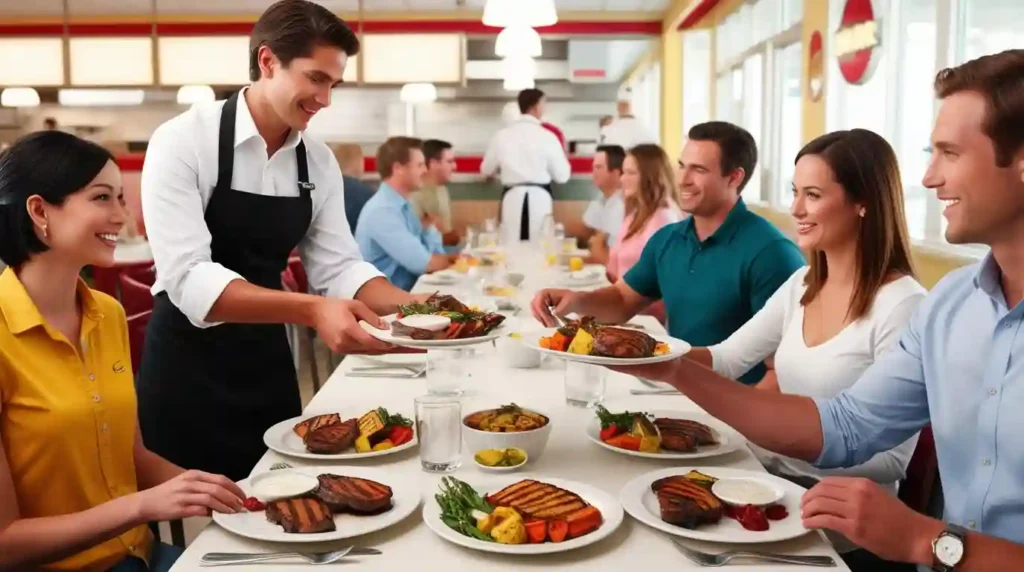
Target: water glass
x=448, y=370
x=439, y=430
x=584, y=384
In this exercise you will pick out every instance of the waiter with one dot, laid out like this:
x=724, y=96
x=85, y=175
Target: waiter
x=527, y=157
x=229, y=189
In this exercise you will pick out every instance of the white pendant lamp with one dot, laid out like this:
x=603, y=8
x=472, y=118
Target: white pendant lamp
x=519, y=66
x=518, y=83
x=100, y=97
x=193, y=94
x=518, y=39
x=532, y=13
x=418, y=93
x=19, y=97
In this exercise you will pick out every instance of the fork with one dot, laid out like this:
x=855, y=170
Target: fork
x=654, y=392
x=714, y=560
x=224, y=558
x=412, y=374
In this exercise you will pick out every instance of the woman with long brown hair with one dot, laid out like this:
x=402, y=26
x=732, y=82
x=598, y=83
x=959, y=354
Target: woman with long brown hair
x=648, y=188
x=834, y=318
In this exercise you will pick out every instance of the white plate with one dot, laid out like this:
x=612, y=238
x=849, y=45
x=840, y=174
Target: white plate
x=387, y=336
x=442, y=278
x=282, y=439
x=728, y=439
x=677, y=348
x=256, y=526
x=639, y=501
x=611, y=512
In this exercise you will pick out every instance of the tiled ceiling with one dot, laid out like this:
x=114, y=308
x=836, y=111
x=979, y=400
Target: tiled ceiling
x=113, y=7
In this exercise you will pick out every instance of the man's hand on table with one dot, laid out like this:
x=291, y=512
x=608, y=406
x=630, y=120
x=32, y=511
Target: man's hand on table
x=872, y=518
x=337, y=324
x=562, y=301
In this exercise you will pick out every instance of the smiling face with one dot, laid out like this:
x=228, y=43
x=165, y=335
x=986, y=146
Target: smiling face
x=983, y=202
x=83, y=230
x=303, y=87
x=441, y=170
x=825, y=216
x=410, y=175
x=603, y=178
x=630, y=176
x=703, y=188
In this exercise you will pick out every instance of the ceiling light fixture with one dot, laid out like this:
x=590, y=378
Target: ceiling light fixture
x=98, y=97
x=193, y=94
x=518, y=40
x=532, y=13
x=19, y=97
x=418, y=93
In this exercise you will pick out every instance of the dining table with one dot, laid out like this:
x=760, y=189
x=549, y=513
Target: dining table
x=569, y=454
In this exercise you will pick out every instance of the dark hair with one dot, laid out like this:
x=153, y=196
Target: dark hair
x=999, y=78
x=657, y=186
x=433, y=149
x=395, y=150
x=614, y=154
x=51, y=164
x=292, y=28
x=735, y=144
x=528, y=98
x=50, y=123
x=865, y=165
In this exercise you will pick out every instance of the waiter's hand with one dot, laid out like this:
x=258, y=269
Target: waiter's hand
x=192, y=493
x=337, y=324
x=562, y=301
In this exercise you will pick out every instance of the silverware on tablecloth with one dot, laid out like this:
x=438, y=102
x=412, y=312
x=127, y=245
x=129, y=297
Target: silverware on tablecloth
x=707, y=559
x=224, y=558
x=383, y=366
x=650, y=384
x=409, y=373
x=654, y=392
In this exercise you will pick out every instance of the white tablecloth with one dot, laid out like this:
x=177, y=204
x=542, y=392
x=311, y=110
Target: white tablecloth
x=569, y=455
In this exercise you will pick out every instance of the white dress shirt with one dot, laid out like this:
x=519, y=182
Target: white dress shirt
x=627, y=132
x=606, y=215
x=526, y=152
x=178, y=177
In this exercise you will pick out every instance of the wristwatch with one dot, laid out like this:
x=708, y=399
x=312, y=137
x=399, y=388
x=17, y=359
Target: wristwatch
x=948, y=548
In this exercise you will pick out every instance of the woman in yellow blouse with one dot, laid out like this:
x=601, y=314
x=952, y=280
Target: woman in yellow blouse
x=77, y=484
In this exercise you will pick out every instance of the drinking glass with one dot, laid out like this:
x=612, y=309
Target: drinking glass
x=448, y=370
x=559, y=232
x=568, y=245
x=584, y=384
x=491, y=225
x=439, y=430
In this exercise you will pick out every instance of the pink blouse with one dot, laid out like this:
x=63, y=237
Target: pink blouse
x=626, y=251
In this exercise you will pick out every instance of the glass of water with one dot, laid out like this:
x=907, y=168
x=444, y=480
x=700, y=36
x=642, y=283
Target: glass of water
x=448, y=371
x=439, y=430
x=584, y=384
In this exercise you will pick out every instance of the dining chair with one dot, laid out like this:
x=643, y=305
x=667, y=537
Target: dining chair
x=918, y=487
x=291, y=283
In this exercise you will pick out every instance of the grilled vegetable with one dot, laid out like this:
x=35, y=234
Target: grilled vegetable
x=609, y=432
x=511, y=529
x=363, y=444
x=558, y=530
x=370, y=424
x=583, y=521
x=625, y=441
x=384, y=445
x=582, y=343
x=623, y=421
x=650, y=442
x=400, y=435
x=700, y=478
x=537, y=531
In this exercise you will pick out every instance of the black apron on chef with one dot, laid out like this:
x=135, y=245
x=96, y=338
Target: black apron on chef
x=524, y=219
x=206, y=396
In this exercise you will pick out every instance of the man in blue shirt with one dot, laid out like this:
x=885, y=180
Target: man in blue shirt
x=715, y=269
x=959, y=365
x=389, y=234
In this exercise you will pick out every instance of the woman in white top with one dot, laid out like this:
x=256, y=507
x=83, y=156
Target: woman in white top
x=831, y=320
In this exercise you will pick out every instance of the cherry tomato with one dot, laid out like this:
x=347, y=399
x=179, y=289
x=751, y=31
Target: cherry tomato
x=609, y=432
x=252, y=504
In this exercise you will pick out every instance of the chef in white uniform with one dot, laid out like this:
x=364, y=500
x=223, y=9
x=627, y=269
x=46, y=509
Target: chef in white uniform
x=527, y=158
x=626, y=130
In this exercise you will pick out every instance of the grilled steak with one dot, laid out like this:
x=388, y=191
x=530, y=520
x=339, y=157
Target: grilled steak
x=681, y=432
x=686, y=503
x=468, y=329
x=314, y=423
x=332, y=439
x=622, y=343
x=354, y=495
x=448, y=303
x=304, y=515
x=537, y=500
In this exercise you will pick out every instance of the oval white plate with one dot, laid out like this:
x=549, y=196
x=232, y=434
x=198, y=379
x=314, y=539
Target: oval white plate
x=677, y=348
x=256, y=526
x=387, y=336
x=611, y=512
x=728, y=439
x=641, y=503
x=282, y=439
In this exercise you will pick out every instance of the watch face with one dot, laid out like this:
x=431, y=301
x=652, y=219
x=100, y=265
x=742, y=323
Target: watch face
x=949, y=550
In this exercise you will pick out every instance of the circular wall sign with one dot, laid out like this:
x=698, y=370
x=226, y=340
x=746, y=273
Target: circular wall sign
x=858, y=41
x=816, y=66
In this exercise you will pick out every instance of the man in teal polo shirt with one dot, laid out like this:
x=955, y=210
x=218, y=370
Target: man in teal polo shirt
x=714, y=270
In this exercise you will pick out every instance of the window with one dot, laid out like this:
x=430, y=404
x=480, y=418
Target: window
x=788, y=62
x=752, y=105
x=696, y=74
x=992, y=26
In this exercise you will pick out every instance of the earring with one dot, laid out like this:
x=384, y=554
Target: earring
x=46, y=228
x=862, y=213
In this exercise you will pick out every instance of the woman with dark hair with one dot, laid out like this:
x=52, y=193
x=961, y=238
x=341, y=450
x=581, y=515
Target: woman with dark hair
x=77, y=484
x=831, y=320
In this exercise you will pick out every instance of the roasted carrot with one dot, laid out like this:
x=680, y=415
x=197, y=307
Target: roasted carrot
x=559, y=342
x=545, y=343
x=537, y=531
x=583, y=521
x=558, y=530
x=625, y=441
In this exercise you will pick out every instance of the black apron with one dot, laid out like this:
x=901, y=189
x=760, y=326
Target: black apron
x=524, y=220
x=206, y=396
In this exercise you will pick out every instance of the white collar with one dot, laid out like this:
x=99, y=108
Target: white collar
x=529, y=119
x=245, y=127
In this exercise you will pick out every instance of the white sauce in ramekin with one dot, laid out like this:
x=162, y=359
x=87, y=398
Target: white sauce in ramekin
x=427, y=322
x=745, y=491
x=283, y=484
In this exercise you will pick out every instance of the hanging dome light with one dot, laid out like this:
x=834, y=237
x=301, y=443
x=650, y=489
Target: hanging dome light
x=418, y=93
x=193, y=94
x=520, y=66
x=532, y=13
x=100, y=97
x=518, y=40
x=19, y=97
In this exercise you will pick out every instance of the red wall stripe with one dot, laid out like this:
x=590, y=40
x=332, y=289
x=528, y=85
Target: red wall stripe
x=698, y=13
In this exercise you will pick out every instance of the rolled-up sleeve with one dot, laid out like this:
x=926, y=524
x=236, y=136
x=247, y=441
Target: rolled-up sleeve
x=884, y=408
x=173, y=209
x=334, y=265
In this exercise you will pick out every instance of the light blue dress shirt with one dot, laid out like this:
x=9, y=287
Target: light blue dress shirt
x=391, y=238
x=959, y=365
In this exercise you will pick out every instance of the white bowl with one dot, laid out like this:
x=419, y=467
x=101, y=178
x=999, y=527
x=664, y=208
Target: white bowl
x=297, y=483
x=513, y=468
x=517, y=354
x=767, y=493
x=532, y=442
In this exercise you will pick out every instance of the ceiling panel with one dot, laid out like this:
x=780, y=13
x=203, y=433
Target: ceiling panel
x=99, y=7
x=36, y=7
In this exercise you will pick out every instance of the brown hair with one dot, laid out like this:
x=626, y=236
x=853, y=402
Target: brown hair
x=528, y=99
x=657, y=186
x=395, y=150
x=292, y=28
x=736, y=147
x=999, y=78
x=350, y=158
x=865, y=165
